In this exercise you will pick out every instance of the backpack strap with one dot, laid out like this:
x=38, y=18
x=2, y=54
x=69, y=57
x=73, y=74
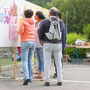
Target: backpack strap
x=59, y=24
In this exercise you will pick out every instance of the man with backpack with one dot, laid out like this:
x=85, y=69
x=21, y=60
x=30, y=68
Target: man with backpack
x=50, y=33
x=64, y=33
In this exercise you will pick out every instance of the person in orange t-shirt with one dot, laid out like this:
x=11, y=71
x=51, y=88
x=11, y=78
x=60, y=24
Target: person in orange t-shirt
x=27, y=33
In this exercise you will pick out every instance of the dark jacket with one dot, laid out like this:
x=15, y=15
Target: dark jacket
x=64, y=34
x=44, y=28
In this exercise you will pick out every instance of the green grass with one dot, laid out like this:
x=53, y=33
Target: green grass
x=5, y=61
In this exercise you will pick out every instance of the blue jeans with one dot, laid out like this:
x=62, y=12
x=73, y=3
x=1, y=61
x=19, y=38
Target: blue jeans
x=27, y=51
x=40, y=59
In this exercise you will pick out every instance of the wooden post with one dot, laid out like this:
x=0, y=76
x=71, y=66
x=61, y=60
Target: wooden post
x=15, y=63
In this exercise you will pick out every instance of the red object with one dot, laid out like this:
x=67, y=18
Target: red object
x=19, y=50
x=75, y=44
x=85, y=44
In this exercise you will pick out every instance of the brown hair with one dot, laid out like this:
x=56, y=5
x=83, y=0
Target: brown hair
x=40, y=15
x=28, y=13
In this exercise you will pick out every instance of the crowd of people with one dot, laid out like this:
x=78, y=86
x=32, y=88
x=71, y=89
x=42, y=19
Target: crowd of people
x=38, y=35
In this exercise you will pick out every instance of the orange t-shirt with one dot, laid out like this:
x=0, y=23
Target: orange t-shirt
x=27, y=30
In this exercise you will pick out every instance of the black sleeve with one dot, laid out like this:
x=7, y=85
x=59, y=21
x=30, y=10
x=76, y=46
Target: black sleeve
x=61, y=24
x=64, y=37
x=41, y=31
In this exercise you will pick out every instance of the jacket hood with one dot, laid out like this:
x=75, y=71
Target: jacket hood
x=29, y=20
x=53, y=18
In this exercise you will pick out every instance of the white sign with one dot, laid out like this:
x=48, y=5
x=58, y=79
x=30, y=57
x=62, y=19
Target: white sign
x=11, y=12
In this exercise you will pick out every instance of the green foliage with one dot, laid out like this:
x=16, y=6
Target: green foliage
x=71, y=38
x=40, y=2
x=86, y=30
x=77, y=13
x=71, y=50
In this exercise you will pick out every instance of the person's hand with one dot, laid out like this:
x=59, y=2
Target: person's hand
x=17, y=30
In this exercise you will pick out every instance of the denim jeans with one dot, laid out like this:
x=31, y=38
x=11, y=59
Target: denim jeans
x=40, y=59
x=27, y=51
x=56, y=50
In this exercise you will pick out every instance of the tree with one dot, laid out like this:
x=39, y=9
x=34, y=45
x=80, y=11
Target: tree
x=77, y=13
x=40, y=2
x=86, y=30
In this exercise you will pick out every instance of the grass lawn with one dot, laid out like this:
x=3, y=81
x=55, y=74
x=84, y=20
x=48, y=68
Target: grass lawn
x=5, y=61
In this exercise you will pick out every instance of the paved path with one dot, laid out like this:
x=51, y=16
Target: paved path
x=76, y=77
